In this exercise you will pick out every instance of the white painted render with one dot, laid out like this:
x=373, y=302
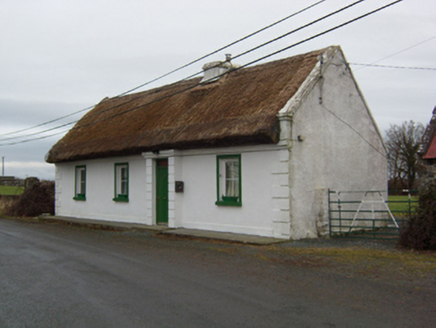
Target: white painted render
x=334, y=144
x=100, y=184
x=265, y=192
x=328, y=140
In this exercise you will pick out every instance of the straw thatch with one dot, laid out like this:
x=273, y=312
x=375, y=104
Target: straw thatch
x=239, y=109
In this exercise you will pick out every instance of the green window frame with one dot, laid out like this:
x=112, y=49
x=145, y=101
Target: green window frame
x=121, y=182
x=229, y=184
x=80, y=182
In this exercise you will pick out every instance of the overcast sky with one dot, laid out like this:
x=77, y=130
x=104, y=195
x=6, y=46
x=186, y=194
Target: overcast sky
x=60, y=56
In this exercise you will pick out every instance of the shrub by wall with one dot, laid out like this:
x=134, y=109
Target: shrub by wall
x=36, y=200
x=420, y=232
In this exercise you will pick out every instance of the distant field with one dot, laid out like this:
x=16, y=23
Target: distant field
x=403, y=205
x=10, y=190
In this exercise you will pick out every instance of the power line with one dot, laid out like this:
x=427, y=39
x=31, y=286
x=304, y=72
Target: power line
x=257, y=47
x=397, y=67
x=240, y=55
x=45, y=123
x=224, y=47
x=326, y=31
x=250, y=63
x=133, y=99
x=34, y=139
x=40, y=132
x=403, y=50
x=300, y=28
x=286, y=34
x=238, y=68
x=354, y=130
x=395, y=54
x=169, y=73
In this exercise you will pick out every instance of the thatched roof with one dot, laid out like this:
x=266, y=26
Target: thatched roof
x=239, y=109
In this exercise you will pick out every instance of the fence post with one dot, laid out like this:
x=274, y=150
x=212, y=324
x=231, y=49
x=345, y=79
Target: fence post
x=330, y=215
x=339, y=213
x=373, y=228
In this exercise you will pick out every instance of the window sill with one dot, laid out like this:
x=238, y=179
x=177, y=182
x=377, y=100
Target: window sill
x=223, y=203
x=81, y=198
x=121, y=198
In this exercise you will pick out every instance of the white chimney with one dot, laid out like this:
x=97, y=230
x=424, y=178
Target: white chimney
x=215, y=70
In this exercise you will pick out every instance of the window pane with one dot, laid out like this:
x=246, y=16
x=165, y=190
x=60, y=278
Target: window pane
x=232, y=178
x=121, y=180
x=82, y=181
x=229, y=180
x=232, y=188
x=124, y=180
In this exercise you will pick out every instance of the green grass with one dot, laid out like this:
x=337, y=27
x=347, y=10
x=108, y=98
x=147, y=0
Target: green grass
x=11, y=190
x=403, y=203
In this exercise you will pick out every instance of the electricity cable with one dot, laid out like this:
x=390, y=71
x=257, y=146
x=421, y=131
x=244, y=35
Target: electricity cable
x=45, y=123
x=300, y=28
x=173, y=71
x=222, y=48
x=354, y=130
x=133, y=99
x=399, y=52
x=245, y=65
x=195, y=74
x=259, y=59
x=397, y=67
x=34, y=139
x=287, y=34
x=39, y=132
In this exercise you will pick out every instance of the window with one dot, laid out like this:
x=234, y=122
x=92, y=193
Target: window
x=80, y=183
x=229, y=180
x=121, y=182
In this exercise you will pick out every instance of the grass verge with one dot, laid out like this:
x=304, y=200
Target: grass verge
x=11, y=190
x=400, y=203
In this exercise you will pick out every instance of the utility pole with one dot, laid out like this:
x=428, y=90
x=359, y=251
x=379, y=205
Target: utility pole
x=3, y=166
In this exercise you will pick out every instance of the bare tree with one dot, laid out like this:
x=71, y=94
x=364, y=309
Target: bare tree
x=403, y=143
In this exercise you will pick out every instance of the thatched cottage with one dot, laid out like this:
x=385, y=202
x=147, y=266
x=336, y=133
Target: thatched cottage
x=249, y=150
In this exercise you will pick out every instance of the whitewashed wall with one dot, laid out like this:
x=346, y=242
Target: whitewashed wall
x=339, y=148
x=264, y=203
x=265, y=191
x=100, y=191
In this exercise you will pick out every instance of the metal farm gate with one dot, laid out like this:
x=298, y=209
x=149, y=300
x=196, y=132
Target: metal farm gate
x=367, y=214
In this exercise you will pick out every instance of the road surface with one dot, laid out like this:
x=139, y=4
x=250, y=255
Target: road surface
x=55, y=275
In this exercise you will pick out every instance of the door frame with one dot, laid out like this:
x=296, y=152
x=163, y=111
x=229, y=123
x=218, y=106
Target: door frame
x=150, y=185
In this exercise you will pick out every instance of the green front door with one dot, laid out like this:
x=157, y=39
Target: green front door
x=162, y=191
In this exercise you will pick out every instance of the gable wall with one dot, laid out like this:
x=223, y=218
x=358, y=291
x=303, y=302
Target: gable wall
x=333, y=153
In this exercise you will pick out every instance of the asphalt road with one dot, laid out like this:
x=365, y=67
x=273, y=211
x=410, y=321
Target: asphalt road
x=55, y=275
